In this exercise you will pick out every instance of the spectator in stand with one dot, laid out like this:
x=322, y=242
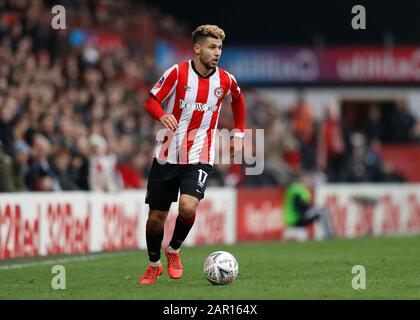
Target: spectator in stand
x=366, y=164
x=415, y=132
x=67, y=88
x=79, y=170
x=101, y=166
x=302, y=121
x=374, y=125
x=8, y=109
x=402, y=124
x=131, y=171
x=291, y=153
x=20, y=165
x=6, y=172
x=46, y=125
x=362, y=167
x=303, y=127
x=332, y=144
x=40, y=175
x=373, y=160
x=61, y=165
x=390, y=175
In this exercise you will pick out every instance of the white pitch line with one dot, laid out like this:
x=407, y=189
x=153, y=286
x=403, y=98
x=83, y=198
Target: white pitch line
x=62, y=260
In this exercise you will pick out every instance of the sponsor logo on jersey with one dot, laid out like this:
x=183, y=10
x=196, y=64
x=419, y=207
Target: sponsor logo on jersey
x=197, y=106
x=218, y=92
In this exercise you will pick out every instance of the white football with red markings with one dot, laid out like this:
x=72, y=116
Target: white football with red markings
x=221, y=267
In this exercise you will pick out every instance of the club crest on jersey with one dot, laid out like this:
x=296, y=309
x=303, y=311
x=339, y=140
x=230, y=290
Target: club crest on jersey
x=218, y=92
x=160, y=82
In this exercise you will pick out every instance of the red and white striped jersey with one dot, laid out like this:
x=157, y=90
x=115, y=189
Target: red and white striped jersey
x=195, y=102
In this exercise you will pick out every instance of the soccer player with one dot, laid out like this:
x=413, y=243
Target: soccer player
x=191, y=94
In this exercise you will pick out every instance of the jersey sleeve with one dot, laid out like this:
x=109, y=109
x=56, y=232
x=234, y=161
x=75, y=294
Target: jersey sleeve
x=234, y=88
x=154, y=108
x=239, y=111
x=166, y=84
x=238, y=106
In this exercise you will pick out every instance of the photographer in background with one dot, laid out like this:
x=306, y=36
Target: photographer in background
x=299, y=211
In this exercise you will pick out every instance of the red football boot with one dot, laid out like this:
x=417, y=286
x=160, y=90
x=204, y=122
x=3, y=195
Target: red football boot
x=150, y=275
x=174, y=264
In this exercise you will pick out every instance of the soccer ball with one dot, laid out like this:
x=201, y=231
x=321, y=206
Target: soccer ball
x=221, y=267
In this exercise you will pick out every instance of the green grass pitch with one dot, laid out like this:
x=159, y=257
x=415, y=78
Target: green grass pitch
x=268, y=270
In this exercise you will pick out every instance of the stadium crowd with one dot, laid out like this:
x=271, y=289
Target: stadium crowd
x=72, y=113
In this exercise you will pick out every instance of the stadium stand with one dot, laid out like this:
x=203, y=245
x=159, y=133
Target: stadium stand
x=72, y=111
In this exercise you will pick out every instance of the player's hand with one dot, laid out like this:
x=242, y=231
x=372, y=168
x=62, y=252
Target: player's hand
x=169, y=121
x=236, y=146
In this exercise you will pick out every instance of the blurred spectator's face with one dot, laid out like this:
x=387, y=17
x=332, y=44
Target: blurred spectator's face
x=6, y=114
x=92, y=77
x=41, y=146
x=12, y=105
x=66, y=128
x=79, y=129
x=16, y=30
x=138, y=161
x=98, y=150
x=126, y=144
x=76, y=162
x=47, y=124
x=95, y=127
x=209, y=51
x=107, y=127
x=115, y=94
x=72, y=95
x=20, y=128
x=21, y=158
x=25, y=45
x=332, y=112
x=83, y=97
x=45, y=184
x=401, y=106
x=416, y=129
x=83, y=145
x=375, y=113
x=97, y=112
x=358, y=153
x=34, y=108
x=30, y=64
x=376, y=145
x=3, y=85
x=44, y=59
x=62, y=161
x=72, y=67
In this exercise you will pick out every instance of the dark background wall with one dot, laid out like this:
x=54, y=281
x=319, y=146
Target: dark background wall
x=298, y=22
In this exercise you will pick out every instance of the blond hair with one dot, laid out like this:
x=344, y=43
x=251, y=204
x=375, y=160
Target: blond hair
x=207, y=30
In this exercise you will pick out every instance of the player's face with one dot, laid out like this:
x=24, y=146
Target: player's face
x=210, y=52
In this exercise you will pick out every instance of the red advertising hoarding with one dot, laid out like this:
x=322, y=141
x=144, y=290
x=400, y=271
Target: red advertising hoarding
x=259, y=214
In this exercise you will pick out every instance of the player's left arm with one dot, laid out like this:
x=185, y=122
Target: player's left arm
x=239, y=112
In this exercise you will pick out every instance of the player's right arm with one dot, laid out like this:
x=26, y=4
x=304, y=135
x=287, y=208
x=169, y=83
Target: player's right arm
x=154, y=108
x=159, y=93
